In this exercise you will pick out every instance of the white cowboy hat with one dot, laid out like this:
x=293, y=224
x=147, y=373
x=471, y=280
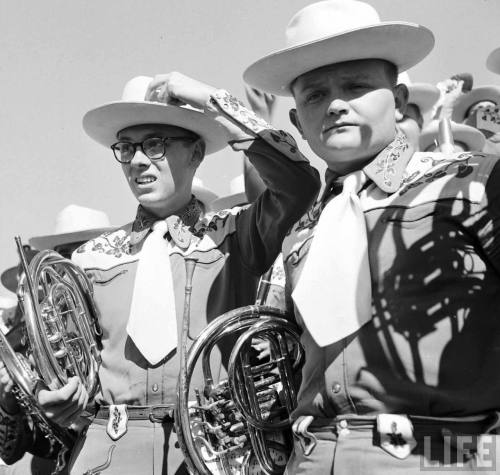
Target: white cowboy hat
x=470, y=136
x=493, y=61
x=421, y=94
x=73, y=224
x=104, y=122
x=335, y=31
x=478, y=94
x=202, y=193
x=236, y=197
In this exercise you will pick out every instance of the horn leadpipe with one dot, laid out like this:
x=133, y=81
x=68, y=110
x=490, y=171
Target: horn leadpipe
x=181, y=414
x=445, y=136
x=24, y=265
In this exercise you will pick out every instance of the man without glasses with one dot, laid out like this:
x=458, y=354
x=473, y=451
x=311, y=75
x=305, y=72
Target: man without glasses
x=395, y=271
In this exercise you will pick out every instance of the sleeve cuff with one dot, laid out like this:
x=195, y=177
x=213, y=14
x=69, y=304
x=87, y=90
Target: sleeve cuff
x=223, y=102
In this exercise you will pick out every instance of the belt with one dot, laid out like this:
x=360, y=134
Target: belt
x=160, y=413
x=397, y=434
x=422, y=424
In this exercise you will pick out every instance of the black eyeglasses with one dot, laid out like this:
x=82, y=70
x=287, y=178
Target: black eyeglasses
x=154, y=148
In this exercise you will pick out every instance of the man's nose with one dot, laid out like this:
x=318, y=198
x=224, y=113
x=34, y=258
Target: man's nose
x=338, y=107
x=139, y=160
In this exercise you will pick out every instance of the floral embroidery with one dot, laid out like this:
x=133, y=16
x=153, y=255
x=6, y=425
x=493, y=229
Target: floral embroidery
x=110, y=243
x=386, y=161
x=235, y=109
x=144, y=220
x=295, y=257
x=117, y=417
x=211, y=223
x=438, y=169
x=309, y=220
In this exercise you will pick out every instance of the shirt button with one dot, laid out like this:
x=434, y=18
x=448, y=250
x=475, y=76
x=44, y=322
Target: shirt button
x=154, y=388
x=336, y=387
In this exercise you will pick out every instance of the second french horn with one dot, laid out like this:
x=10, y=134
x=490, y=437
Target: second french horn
x=239, y=425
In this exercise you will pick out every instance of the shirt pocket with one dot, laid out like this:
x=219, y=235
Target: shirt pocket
x=105, y=277
x=208, y=266
x=421, y=215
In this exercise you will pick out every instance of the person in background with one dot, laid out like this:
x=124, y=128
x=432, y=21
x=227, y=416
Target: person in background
x=480, y=108
x=421, y=99
x=465, y=137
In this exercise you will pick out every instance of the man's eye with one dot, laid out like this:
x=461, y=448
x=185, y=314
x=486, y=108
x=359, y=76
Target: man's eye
x=314, y=97
x=358, y=86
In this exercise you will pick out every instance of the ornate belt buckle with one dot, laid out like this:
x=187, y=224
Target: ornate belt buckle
x=396, y=434
x=117, y=421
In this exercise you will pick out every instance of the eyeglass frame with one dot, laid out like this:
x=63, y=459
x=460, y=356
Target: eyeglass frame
x=141, y=144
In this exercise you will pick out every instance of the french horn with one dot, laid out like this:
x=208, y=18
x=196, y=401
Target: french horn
x=61, y=319
x=61, y=323
x=238, y=425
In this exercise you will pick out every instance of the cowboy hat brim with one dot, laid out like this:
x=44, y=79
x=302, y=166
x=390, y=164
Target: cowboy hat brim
x=423, y=95
x=204, y=195
x=9, y=279
x=401, y=43
x=9, y=276
x=50, y=241
x=103, y=123
x=230, y=201
x=478, y=94
x=466, y=134
x=493, y=61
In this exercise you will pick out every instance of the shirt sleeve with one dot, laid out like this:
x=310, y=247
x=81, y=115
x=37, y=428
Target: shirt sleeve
x=291, y=184
x=14, y=436
x=19, y=435
x=487, y=219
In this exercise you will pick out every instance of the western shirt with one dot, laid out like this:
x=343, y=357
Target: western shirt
x=432, y=346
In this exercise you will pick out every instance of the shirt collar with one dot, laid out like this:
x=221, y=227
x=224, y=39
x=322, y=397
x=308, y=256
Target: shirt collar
x=387, y=168
x=144, y=219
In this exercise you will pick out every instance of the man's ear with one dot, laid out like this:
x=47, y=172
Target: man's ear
x=198, y=153
x=401, y=97
x=295, y=121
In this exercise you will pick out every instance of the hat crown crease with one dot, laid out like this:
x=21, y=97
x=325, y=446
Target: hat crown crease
x=323, y=19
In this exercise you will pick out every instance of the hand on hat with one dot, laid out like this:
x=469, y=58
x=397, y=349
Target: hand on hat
x=451, y=90
x=262, y=103
x=176, y=89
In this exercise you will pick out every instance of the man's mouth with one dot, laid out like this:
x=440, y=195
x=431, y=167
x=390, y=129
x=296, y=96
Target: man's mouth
x=145, y=180
x=338, y=125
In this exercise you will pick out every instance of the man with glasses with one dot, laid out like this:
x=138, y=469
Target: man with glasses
x=159, y=133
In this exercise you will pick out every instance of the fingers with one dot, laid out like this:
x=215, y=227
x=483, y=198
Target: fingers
x=6, y=383
x=263, y=348
x=64, y=405
x=163, y=89
x=7, y=399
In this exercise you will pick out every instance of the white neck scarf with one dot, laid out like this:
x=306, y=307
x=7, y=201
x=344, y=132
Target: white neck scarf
x=333, y=294
x=152, y=323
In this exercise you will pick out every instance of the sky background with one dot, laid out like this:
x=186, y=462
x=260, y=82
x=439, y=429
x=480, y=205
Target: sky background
x=60, y=58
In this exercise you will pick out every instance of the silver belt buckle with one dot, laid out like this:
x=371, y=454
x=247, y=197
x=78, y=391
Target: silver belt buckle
x=300, y=429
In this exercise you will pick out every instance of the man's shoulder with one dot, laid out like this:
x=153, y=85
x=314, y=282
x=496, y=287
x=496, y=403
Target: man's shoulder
x=217, y=225
x=448, y=174
x=108, y=246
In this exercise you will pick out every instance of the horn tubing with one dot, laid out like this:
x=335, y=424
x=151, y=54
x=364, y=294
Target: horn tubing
x=445, y=136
